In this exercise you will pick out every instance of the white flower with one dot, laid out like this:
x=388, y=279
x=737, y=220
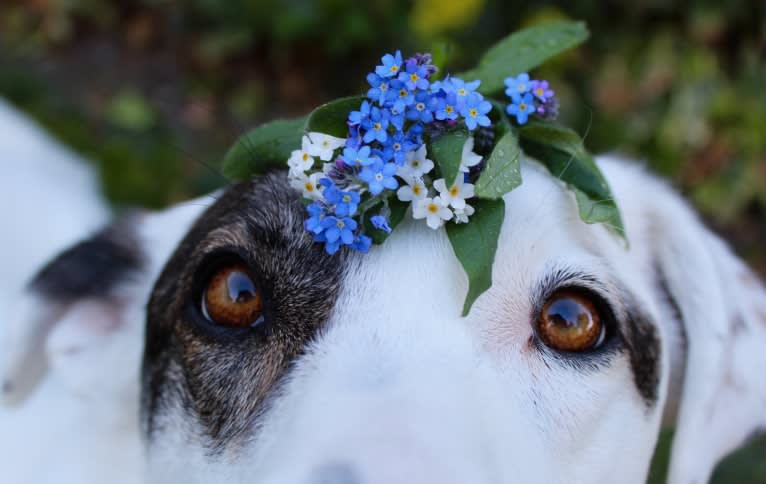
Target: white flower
x=323, y=145
x=468, y=158
x=457, y=193
x=461, y=215
x=415, y=189
x=434, y=210
x=301, y=160
x=415, y=164
x=308, y=185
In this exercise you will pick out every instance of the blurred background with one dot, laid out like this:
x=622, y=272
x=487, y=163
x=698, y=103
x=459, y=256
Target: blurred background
x=155, y=91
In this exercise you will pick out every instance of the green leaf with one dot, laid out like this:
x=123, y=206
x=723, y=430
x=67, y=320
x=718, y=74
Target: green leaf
x=475, y=244
x=503, y=171
x=499, y=118
x=331, y=118
x=442, y=51
x=524, y=50
x=397, y=208
x=447, y=152
x=265, y=148
x=561, y=150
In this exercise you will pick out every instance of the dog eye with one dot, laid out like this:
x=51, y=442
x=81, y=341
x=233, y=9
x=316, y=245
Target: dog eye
x=570, y=321
x=232, y=299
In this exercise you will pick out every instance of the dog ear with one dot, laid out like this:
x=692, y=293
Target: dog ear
x=77, y=303
x=82, y=315
x=722, y=306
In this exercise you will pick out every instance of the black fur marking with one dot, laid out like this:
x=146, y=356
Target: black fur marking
x=223, y=377
x=93, y=267
x=644, y=352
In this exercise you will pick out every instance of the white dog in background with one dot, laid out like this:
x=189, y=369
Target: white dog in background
x=61, y=422
x=357, y=369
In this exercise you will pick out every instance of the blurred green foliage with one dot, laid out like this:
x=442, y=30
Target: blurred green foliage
x=155, y=91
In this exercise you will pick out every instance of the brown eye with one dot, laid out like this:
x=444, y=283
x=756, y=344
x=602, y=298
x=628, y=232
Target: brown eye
x=231, y=298
x=570, y=321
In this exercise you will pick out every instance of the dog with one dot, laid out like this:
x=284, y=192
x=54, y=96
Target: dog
x=358, y=369
x=51, y=200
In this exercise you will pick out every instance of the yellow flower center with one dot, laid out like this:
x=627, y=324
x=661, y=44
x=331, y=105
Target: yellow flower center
x=539, y=91
x=416, y=190
x=433, y=208
x=414, y=77
x=473, y=112
x=346, y=198
x=462, y=91
x=403, y=93
x=305, y=156
x=384, y=86
x=377, y=126
x=340, y=224
x=449, y=109
x=309, y=187
x=415, y=163
x=523, y=106
x=454, y=191
x=394, y=69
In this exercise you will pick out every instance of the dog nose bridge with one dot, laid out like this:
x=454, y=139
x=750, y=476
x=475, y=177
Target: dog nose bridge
x=391, y=413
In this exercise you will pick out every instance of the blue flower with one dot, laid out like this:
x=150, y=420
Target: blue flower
x=362, y=243
x=379, y=176
x=414, y=76
x=475, y=111
x=396, y=117
x=383, y=155
x=422, y=109
x=517, y=86
x=380, y=222
x=359, y=117
x=358, y=157
x=354, y=139
x=380, y=89
x=397, y=146
x=442, y=87
x=376, y=126
x=345, y=203
x=316, y=213
x=349, y=202
x=392, y=64
x=447, y=108
x=463, y=90
x=522, y=108
x=339, y=228
x=415, y=134
x=402, y=97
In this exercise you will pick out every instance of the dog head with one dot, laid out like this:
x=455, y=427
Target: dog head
x=267, y=360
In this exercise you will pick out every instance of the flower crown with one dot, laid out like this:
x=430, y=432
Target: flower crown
x=435, y=145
